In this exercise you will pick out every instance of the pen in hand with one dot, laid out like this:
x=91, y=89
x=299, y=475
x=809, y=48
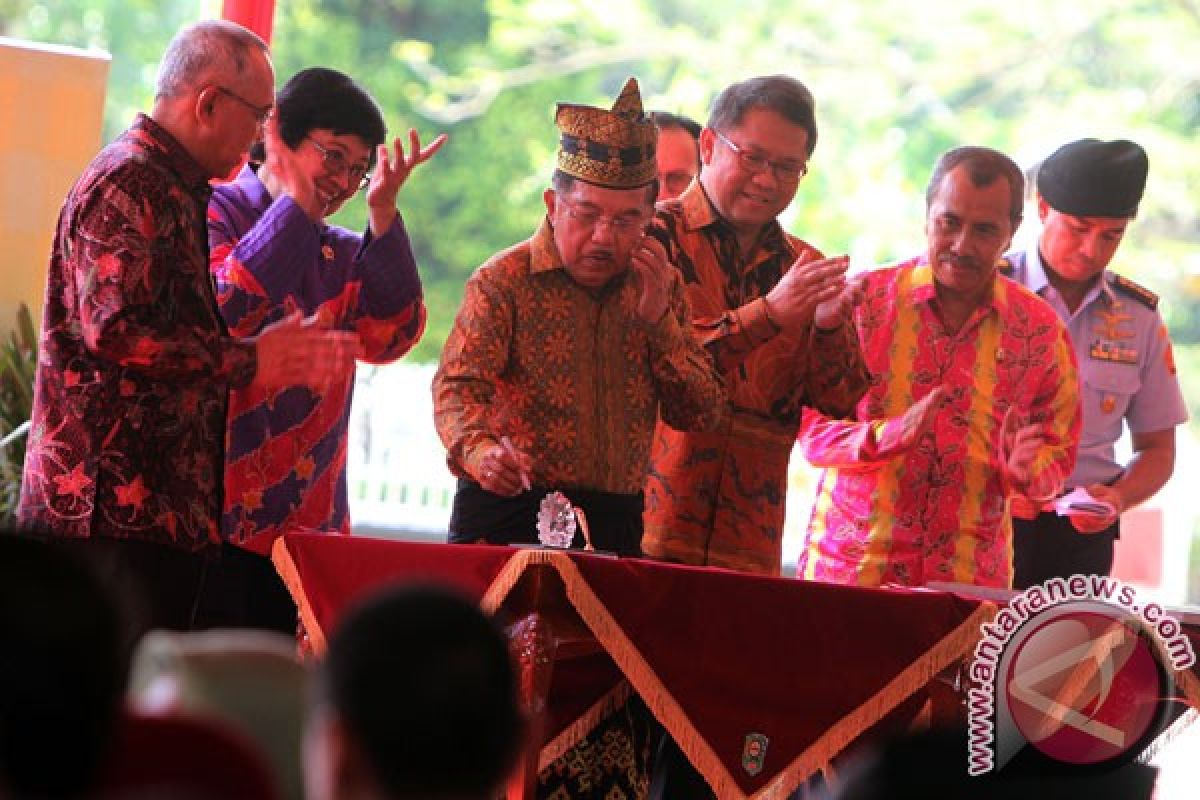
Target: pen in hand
x=512, y=451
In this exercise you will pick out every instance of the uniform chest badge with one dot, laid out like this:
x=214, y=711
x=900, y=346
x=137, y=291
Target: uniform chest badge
x=1113, y=352
x=1113, y=332
x=327, y=252
x=1114, y=315
x=754, y=753
x=1108, y=404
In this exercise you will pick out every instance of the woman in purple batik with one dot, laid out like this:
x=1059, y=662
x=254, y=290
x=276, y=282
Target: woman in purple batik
x=272, y=253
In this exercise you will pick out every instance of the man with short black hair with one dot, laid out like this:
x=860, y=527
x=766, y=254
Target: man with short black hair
x=771, y=310
x=415, y=700
x=1088, y=194
x=62, y=673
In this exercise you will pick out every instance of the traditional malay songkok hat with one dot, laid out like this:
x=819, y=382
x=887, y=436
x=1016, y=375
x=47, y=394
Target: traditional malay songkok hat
x=1091, y=178
x=613, y=149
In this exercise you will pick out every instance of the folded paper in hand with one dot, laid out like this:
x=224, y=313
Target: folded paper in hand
x=1080, y=501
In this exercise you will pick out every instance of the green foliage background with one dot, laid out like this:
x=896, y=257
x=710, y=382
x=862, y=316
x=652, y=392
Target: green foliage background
x=896, y=84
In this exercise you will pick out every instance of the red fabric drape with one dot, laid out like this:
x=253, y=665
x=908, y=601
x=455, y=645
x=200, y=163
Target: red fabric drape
x=716, y=655
x=257, y=15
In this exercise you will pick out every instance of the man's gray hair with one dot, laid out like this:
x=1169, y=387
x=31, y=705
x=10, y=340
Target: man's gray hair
x=211, y=47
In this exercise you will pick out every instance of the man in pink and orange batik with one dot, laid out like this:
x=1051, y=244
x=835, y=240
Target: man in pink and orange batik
x=973, y=395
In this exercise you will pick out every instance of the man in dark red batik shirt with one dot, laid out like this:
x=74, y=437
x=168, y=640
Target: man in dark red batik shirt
x=125, y=454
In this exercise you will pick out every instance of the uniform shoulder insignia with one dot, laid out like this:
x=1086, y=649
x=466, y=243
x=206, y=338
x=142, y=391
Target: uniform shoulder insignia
x=1004, y=267
x=1139, y=292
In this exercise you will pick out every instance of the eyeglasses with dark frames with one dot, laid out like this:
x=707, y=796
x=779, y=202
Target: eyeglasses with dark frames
x=261, y=113
x=335, y=161
x=785, y=171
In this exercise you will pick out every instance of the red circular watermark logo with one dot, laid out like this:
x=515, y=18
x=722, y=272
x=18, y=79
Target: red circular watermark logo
x=1085, y=684
x=1076, y=669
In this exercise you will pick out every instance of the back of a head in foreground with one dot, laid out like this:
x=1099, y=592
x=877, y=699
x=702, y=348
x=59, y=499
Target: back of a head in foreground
x=62, y=670
x=420, y=684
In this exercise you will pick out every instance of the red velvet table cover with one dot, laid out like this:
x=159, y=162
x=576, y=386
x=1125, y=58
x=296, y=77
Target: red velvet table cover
x=716, y=655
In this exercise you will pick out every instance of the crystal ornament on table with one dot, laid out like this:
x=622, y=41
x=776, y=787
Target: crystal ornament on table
x=556, y=522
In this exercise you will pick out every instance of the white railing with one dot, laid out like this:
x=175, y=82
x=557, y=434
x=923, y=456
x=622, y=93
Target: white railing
x=399, y=484
x=397, y=477
x=15, y=433
x=398, y=481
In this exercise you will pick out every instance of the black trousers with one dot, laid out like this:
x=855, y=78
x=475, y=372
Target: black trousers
x=1049, y=547
x=159, y=586
x=243, y=590
x=615, y=520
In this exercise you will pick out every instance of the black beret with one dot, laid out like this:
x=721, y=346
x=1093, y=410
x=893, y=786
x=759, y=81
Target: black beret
x=1091, y=178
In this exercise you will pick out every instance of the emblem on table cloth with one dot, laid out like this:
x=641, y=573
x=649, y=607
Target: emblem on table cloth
x=754, y=753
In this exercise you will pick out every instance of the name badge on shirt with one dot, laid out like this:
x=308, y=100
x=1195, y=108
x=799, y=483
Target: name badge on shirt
x=1113, y=352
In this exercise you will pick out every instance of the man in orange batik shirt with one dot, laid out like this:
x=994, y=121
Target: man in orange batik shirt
x=773, y=314
x=569, y=346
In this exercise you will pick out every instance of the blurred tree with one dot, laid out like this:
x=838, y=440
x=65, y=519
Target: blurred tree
x=896, y=84
x=135, y=32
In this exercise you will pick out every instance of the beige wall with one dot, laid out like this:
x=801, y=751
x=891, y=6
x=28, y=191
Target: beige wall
x=52, y=104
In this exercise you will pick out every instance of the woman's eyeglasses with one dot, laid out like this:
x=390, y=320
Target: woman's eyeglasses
x=336, y=163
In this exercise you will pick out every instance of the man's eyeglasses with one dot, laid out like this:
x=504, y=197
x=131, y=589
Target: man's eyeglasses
x=335, y=161
x=785, y=171
x=624, y=223
x=261, y=113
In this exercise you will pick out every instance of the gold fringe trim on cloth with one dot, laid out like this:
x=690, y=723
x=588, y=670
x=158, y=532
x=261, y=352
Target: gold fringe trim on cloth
x=953, y=646
x=1190, y=685
x=578, y=730
x=641, y=677
x=286, y=567
x=639, y=674
x=508, y=576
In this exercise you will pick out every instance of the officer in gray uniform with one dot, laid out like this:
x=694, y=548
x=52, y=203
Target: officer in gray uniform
x=1088, y=193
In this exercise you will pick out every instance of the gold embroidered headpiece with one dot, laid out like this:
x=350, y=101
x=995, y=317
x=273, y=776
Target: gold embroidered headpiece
x=611, y=148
